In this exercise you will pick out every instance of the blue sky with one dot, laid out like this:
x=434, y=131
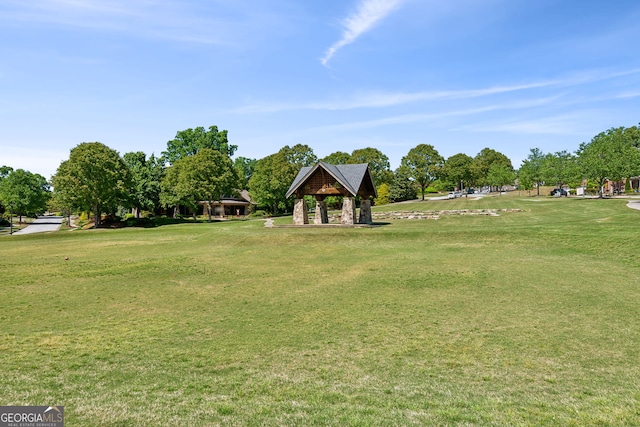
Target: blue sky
x=336, y=75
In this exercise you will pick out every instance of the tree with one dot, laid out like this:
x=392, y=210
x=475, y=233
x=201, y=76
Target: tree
x=188, y=142
x=525, y=181
x=244, y=168
x=204, y=176
x=273, y=175
x=4, y=171
x=337, y=158
x=271, y=179
x=561, y=168
x=424, y=164
x=94, y=179
x=378, y=164
x=610, y=155
x=457, y=168
x=24, y=192
x=532, y=169
x=403, y=187
x=146, y=179
x=500, y=175
x=299, y=155
x=483, y=162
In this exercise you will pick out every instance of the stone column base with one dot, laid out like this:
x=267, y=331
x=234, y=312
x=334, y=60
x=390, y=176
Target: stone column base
x=365, y=212
x=348, y=211
x=322, y=217
x=300, y=215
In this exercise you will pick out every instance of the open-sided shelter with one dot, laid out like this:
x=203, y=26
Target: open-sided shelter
x=322, y=180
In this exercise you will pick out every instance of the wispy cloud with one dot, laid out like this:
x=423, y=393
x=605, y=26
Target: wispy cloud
x=154, y=19
x=426, y=117
x=568, y=124
x=379, y=99
x=390, y=99
x=367, y=14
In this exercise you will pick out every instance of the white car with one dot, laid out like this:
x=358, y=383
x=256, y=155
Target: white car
x=454, y=194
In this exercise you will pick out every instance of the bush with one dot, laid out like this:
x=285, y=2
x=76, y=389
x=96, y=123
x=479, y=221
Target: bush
x=383, y=195
x=4, y=223
x=258, y=214
x=139, y=222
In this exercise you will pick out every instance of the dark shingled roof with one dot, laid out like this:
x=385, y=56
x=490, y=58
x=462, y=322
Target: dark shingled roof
x=349, y=176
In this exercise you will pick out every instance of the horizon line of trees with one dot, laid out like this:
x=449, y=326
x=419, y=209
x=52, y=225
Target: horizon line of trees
x=197, y=166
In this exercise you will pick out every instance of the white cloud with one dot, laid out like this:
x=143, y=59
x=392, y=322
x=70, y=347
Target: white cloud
x=430, y=117
x=390, y=99
x=191, y=22
x=367, y=14
x=379, y=99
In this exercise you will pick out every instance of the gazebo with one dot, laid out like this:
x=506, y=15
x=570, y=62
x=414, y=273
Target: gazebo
x=322, y=180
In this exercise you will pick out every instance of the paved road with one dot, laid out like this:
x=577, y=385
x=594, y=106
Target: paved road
x=42, y=224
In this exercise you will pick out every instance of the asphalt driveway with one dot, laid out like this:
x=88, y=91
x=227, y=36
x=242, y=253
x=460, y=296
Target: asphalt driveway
x=42, y=224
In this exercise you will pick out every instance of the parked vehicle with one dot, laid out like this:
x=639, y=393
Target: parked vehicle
x=559, y=192
x=454, y=194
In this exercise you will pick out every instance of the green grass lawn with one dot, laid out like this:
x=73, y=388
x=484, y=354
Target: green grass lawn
x=529, y=318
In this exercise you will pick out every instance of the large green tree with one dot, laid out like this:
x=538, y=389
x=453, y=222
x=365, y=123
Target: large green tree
x=424, y=164
x=378, y=164
x=189, y=141
x=271, y=179
x=299, y=155
x=532, y=170
x=561, y=168
x=337, y=158
x=93, y=179
x=403, y=187
x=273, y=175
x=610, y=155
x=24, y=192
x=483, y=161
x=203, y=177
x=457, y=169
x=500, y=175
x=146, y=179
x=244, y=168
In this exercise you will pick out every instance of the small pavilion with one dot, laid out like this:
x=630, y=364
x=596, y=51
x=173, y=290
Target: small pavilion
x=323, y=180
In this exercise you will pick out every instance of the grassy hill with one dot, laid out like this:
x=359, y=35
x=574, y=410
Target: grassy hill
x=528, y=318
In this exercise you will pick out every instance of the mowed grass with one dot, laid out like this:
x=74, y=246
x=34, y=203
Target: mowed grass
x=530, y=318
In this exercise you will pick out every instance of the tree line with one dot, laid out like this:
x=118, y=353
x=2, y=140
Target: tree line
x=197, y=167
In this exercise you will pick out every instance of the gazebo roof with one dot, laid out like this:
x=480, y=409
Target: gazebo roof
x=355, y=179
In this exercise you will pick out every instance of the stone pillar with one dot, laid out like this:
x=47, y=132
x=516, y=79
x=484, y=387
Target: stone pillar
x=300, y=215
x=322, y=217
x=365, y=212
x=348, y=210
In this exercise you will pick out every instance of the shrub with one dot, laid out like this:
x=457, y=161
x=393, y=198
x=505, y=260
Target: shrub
x=383, y=195
x=4, y=223
x=139, y=222
x=258, y=214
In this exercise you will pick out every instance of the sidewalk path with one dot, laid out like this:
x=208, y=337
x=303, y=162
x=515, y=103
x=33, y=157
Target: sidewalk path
x=635, y=204
x=42, y=224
